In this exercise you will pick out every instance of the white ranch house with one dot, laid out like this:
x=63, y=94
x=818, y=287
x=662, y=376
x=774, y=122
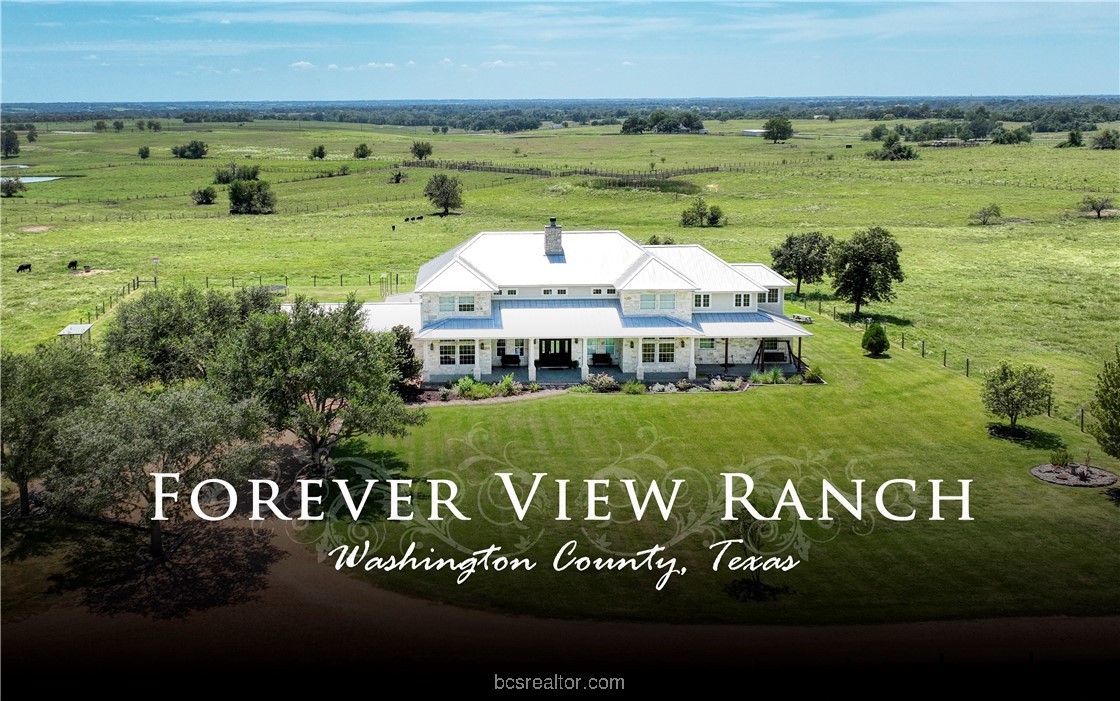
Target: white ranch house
x=555, y=306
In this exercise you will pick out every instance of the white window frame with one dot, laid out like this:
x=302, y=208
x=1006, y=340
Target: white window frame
x=647, y=302
x=742, y=299
x=597, y=290
x=452, y=352
x=771, y=295
x=511, y=292
x=561, y=290
x=466, y=350
x=500, y=347
x=666, y=302
x=651, y=345
x=546, y=291
x=707, y=344
x=611, y=291
x=466, y=303
x=666, y=356
x=447, y=303
x=770, y=344
x=701, y=300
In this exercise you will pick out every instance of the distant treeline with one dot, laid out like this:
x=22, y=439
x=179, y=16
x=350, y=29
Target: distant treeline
x=1044, y=114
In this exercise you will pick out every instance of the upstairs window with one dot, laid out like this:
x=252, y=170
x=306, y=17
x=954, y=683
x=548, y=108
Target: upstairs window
x=447, y=304
x=648, y=302
x=701, y=301
x=772, y=295
x=743, y=299
x=611, y=291
x=561, y=291
x=466, y=303
x=668, y=301
x=497, y=293
x=546, y=291
x=597, y=291
x=511, y=293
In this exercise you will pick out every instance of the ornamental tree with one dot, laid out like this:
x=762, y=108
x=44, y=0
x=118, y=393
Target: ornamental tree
x=1016, y=391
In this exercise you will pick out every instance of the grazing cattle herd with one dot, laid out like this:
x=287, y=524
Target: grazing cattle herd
x=26, y=267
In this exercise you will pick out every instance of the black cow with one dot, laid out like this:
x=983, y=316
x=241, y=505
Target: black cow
x=24, y=267
x=420, y=217
x=72, y=265
x=394, y=227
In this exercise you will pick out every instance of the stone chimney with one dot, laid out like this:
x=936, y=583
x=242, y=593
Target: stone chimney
x=552, y=243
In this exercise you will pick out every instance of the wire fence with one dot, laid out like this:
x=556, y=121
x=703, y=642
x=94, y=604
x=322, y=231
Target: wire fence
x=386, y=282
x=951, y=359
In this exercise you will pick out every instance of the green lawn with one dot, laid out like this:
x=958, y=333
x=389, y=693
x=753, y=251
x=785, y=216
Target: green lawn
x=1032, y=548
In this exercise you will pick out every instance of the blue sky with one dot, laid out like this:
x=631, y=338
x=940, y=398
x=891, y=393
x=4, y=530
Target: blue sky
x=134, y=51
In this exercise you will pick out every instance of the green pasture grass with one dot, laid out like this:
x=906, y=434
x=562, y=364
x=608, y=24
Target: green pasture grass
x=1040, y=287
x=898, y=417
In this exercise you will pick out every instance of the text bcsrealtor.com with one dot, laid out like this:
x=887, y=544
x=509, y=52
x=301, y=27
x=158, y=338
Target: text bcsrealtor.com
x=558, y=682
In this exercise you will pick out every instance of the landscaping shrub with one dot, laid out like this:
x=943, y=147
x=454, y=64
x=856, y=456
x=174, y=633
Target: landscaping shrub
x=534, y=387
x=633, y=387
x=481, y=390
x=875, y=340
x=757, y=378
x=774, y=376
x=444, y=394
x=1059, y=458
x=795, y=380
x=720, y=385
x=602, y=382
x=463, y=385
x=697, y=390
x=508, y=387
x=684, y=385
x=581, y=389
x=813, y=375
x=667, y=388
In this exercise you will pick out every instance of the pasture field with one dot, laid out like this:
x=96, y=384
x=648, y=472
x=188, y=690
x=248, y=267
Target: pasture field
x=1040, y=287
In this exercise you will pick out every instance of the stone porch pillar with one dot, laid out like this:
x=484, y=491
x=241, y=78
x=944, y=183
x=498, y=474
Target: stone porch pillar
x=532, y=359
x=583, y=370
x=477, y=361
x=640, y=372
x=692, y=358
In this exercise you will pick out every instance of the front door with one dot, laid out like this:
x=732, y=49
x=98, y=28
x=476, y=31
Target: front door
x=556, y=352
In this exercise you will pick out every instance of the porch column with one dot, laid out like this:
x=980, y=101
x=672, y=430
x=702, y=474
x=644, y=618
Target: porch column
x=532, y=359
x=640, y=370
x=583, y=371
x=692, y=358
x=477, y=362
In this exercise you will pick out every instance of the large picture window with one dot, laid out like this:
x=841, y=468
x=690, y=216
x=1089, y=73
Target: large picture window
x=447, y=354
x=466, y=353
x=666, y=351
x=707, y=344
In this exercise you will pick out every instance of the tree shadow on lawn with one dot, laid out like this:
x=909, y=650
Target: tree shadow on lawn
x=212, y=565
x=878, y=356
x=1032, y=438
x=1113, y=494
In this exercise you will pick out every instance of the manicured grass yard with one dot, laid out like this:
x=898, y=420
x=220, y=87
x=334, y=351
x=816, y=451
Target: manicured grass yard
x=1033, y=549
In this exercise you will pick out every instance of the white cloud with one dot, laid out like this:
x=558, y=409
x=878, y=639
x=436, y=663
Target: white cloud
x=372, y=65
x=91, y=57
x=301, y=65
x=547, y=63
x=447, y=62
x=627, y=63
x=498, y=64
x=332, y=67
x=225, y=21
x=411, y=63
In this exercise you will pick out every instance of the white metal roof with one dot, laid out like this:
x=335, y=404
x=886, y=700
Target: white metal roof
x=381, y=316
x=655, y=275
x=710, y=272
x=457, y=276
x=517, y=259
x=762, y=274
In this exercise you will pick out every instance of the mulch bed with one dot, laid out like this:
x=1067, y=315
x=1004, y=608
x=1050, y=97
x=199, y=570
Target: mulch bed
x=1074, y=475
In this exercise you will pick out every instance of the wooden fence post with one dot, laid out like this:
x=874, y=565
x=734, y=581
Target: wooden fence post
x=945, y=358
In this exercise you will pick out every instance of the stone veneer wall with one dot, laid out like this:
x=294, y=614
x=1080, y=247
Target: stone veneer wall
x=429, y=310
x=632, y=301
x=630, y=357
